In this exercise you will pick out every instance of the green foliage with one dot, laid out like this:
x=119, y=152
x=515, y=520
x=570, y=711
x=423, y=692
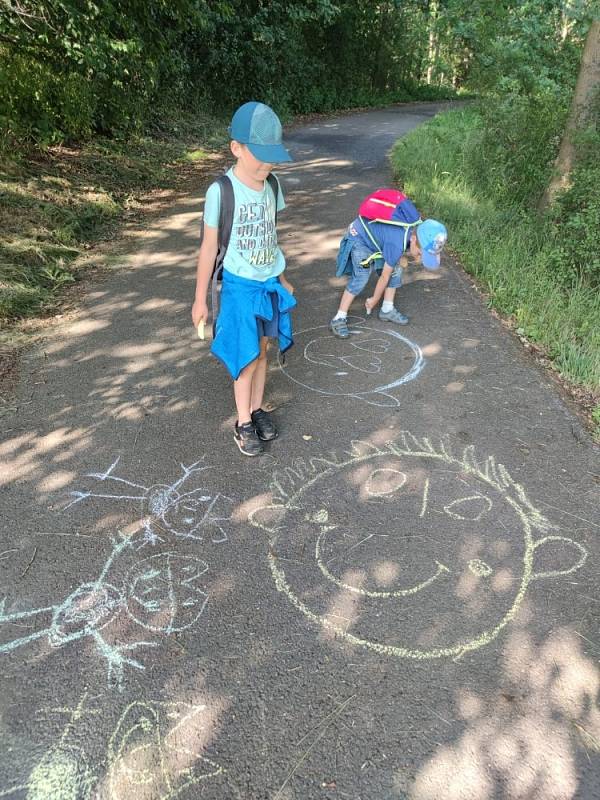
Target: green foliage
x=55, y=208
x=507, y=247
x=576, y=213
x=75, y=68
x=517, y=140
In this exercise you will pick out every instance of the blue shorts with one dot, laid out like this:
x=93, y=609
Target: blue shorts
x=270, y=327
x=360, y=275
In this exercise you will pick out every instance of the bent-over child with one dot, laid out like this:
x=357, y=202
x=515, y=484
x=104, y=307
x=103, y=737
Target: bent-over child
x=255, y=296
x=379, y=245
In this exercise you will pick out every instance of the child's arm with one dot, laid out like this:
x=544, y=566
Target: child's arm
x=206, y=262
x=286, y=284
x=380, y=287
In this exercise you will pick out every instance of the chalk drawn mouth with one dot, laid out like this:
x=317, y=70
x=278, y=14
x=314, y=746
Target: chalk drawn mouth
x=442, y=569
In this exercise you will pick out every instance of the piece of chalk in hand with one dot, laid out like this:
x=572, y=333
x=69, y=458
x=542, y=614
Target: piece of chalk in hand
x=201, y=329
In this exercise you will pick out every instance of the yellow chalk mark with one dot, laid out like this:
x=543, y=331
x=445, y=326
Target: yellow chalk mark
x=557, y=572
x=425, y=498
x=464, y=501
x=384, y=481
x=488, y=471
x=441, y=569
x=479, y=568
x=141, y=724
x=394, y=650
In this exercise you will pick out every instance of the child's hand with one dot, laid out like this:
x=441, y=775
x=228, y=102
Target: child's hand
x=369, y=305
x=199, y=312
x=286, y=284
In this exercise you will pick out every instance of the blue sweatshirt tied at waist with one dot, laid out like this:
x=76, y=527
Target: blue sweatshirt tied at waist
x=243, y=302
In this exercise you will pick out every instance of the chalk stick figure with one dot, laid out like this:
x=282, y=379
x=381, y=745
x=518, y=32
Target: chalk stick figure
x=169, y=508
x=161, y=594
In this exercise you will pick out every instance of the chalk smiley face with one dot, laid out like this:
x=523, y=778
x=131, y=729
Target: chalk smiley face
x=164, y=592
x=187, y=514
x=409, y=551
x=368, y=365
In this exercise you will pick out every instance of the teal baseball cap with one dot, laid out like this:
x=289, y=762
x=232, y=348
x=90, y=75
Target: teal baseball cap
x=258, y=127
x=432, y=237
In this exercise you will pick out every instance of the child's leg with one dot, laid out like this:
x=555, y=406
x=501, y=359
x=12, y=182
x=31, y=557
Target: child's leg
x=260, y=376
x=250, y=386
x=389, y=294
x=388, y=311
x=381, y=287
x=242, y=390
x=345, y=303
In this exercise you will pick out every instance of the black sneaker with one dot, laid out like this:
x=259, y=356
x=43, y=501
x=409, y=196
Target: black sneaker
x=247, y=440
x=263, y=425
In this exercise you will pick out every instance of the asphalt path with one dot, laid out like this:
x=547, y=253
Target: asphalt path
x=399, y=600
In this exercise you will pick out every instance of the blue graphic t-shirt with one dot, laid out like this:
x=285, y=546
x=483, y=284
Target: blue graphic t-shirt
x=252, y=251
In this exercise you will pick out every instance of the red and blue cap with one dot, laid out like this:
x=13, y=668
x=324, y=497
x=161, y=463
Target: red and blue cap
x=258, y=127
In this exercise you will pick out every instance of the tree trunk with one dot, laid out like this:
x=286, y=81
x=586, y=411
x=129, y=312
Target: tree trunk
x=433, y=44
x=580, y=115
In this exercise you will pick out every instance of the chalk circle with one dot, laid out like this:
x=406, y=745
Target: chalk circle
x=90, y=607
x=368, y=365
x=430, y=611
x=384, y=481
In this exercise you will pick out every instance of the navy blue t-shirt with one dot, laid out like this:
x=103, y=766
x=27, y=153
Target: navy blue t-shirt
x=392, y=239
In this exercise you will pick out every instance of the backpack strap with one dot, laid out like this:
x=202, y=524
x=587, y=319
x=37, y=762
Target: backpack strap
x=406, y=225
x=274, y=184
x=377, y=254
x=226, y=208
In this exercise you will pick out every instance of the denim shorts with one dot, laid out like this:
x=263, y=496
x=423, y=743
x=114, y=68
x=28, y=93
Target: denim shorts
x=360, y=275
x=270, y=327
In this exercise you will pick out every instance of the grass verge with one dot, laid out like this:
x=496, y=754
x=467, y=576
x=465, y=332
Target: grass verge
x=508, y=250
x=57, y=205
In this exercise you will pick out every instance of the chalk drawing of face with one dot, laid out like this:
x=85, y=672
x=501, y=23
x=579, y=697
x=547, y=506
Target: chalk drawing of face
x=368, y=365
x=164, y=594
x=181, y=509
x=153, y=753
x=408, y=550
x=185, y=514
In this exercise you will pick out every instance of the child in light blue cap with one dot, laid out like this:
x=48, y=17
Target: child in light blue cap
x=380, y=246
x=256, y=298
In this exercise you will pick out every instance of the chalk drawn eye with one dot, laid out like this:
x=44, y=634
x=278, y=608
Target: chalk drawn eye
x=479, y=568
x=469, y=508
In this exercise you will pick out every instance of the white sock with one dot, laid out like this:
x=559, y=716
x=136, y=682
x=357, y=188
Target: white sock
x=341, y=315
x=386, y=306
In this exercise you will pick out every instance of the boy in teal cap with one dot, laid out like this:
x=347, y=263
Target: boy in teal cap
x=255, y=298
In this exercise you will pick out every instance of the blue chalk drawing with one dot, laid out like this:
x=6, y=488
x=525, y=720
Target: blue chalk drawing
x=168, y=508
x=160, y=594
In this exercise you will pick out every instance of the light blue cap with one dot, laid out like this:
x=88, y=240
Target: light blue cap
x=432, y=236
x=258, y=127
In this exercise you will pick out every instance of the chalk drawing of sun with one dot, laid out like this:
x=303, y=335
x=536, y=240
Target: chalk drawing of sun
x=407, y=549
